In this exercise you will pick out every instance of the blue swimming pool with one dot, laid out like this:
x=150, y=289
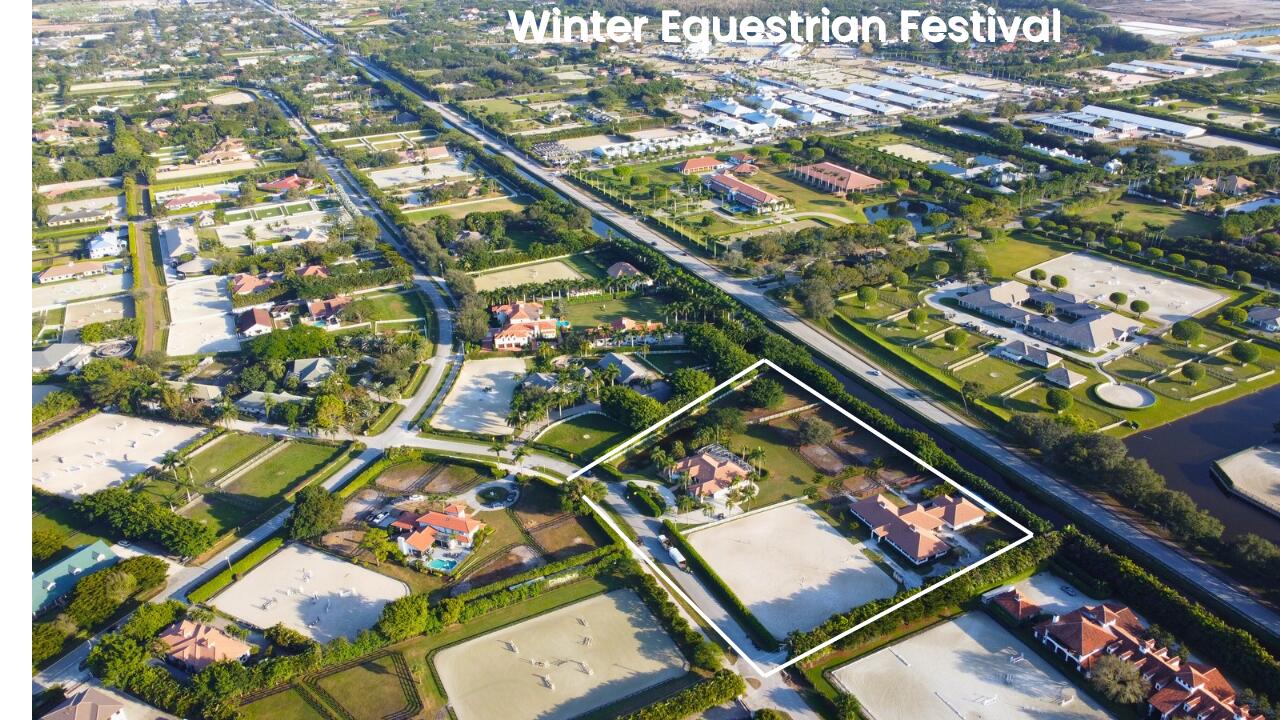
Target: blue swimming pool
x=442, y=564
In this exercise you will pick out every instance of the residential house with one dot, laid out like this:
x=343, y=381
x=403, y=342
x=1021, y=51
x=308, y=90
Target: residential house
x=228, y=150
x=182, y=202
x=314, y=271
x=285, y=184
x=749, y=196
x=913, y=529
x=1076, y=322
x=88, y=704
x=1201, y=187
x=194, y=646
x=1179, y=688
x=700, y=165
x=52, y=136
x=630, y=370
x=51, y=585
x=625, y=324
x=254, y=322
x=745, y=170
x=1234, y=185
x=70, y=271
x=311, y=372
x=543, y=380
x=624, y=270
x=57, y=356
x=452, y=526
x=835, y=179
x=1019, y=351
x=84, y=215
x=522, y=326
x=712, y=472
x=108, y=243
x=1267, y=318
x=327, y=312
x=1014, y=603
x=244, y=283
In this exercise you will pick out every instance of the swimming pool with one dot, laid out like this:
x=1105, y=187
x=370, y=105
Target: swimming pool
x=442, y=564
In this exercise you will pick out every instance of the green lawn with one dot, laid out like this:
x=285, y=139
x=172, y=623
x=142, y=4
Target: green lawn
x=807, y=199
x=376, y=688
x=1015, y=253
x=52, y=512
x=996, y=375
x=667, y=362
x=1033, y=401
x=604, y=310
x=290, y=704
x=226, y=452
x=1177, y=223
x=391, y=306
x=498, y=105
x=939, y=354
x=586, y=436
x=789, y=474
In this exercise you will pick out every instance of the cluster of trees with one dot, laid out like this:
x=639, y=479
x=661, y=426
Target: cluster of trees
x=58, y=402
x=134, y=516
x=98, y=332
x=95, y=600
x=316, y=511
x=825, y=281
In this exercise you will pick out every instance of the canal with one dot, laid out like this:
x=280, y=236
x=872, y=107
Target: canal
x=1184, y=452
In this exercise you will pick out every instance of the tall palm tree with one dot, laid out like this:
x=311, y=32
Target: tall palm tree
x=173, y=463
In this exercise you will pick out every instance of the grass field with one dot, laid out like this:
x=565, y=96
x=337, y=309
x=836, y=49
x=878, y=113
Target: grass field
x=52, y=512
x=377, y=688
x=668, y=362
x=585, y=436
x=604, y=310
x=226, y=452
x=1177, y=223
x=806, y=199
x=391, y=306
x=1014, y=253
x=290, y=704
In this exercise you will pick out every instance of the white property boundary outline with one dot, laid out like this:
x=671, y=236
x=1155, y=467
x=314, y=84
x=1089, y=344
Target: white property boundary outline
x=674, y=586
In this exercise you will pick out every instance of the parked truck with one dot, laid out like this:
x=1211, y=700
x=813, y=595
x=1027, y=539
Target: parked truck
x=678, y=558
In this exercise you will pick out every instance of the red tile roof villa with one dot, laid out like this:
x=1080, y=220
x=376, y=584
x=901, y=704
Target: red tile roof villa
x=738, y=191
x=834, y=178
x=912, y=528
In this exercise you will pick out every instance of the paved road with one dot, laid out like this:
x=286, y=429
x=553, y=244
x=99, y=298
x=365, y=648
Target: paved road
x=1194, y=571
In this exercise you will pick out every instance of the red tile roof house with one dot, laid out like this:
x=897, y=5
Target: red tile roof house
x=711, y=472
x=70, y=271
x=451, y=526
x=326, y=311
x=626, y=324
x=1086, y=634
x=1018, y=607
x=189, y=201
x=836, y=179
x=700, y=165
x=195, y=646
x=244, y=283
x=522, y=326
x=89, y=704
x=285, y=184
x=736, y=191
x=912, y=529
x=435, y=152
x=254, y=322
x=314, y=271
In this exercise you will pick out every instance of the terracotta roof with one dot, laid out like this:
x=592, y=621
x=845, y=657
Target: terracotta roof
x=421, y=540
x=623, y=268
x=705, y=466
x=198, y=646
x=1016, y=605
x=728, y=183
x=91, y=704
x=316, y=271
x=840, y=177
x=698, y=164
x=244, y=283
x=75, y=268
x=435, y=152
x=288, y=182
x=252, y=318
x=911, y=528
x=519, y=312
x=323, y=309
x=464, y=525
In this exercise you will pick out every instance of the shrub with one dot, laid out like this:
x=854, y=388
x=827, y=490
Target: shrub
x=646, y=499
x=722, y=687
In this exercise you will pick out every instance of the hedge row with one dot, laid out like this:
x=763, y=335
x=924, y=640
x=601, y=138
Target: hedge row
x=759, y=633
x=702, y=653
x=247, y=562
x=717, y=690
x=646, y=499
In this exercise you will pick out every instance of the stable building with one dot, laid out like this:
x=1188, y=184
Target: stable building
x=835, y=179
x=738, y=192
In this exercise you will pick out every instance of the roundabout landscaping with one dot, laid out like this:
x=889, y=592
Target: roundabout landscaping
x=1124, y=395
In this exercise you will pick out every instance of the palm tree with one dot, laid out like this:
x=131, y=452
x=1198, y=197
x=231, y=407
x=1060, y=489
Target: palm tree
x=172, y=462
x=610, y=373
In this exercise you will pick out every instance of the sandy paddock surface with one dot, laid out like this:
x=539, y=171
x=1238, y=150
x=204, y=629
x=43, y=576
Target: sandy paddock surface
x=561, y=664
x=415, y=174
x=813, y=570
x=591, y=142
x=272, y=228
x=235, y=97
x=1255, y=473
x=1097, y=277
x=46, y=296
x=96, y=311
x=535, y=273
x=914, y=153
x=103, y=451
x=963, y=668
x=114, y=203
x=1212, y=141
x=481, y=397
x=202, y=317
x=189, y=171
x=312, y=592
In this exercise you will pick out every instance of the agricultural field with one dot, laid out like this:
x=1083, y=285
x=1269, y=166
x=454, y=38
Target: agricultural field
x=1177, y=223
